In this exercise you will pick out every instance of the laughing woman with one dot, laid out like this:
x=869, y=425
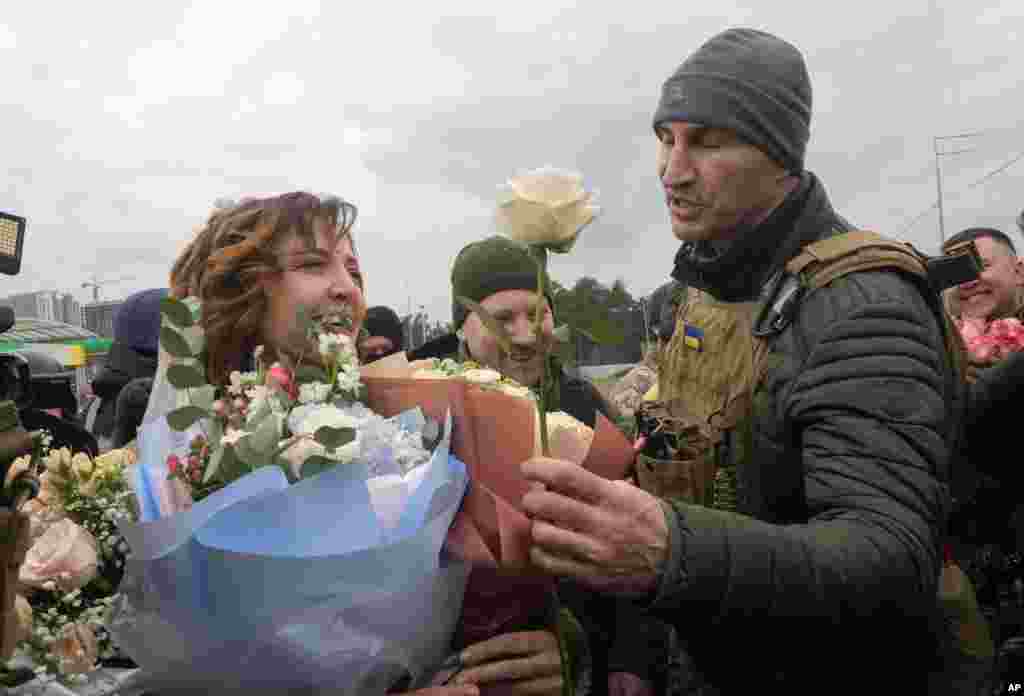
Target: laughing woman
x=251, y=266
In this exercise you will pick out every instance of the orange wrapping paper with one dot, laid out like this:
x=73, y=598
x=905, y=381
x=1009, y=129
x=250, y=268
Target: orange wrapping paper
x=493, y=434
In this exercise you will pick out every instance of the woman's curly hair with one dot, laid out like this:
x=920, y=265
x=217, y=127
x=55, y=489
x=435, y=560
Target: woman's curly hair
x=224, y=264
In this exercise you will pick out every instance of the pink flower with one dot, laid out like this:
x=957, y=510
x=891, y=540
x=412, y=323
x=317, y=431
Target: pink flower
x=76, y=648
x=173, y=463
x=64, y=554
x=990, y=342
x=281, y=378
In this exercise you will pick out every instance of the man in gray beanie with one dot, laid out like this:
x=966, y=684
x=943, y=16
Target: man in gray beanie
x=829, y=409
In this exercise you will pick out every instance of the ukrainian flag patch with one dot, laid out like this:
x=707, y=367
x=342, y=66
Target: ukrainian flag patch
x=693, y=337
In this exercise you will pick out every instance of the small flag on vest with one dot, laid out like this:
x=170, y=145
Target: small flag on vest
x=693, y=337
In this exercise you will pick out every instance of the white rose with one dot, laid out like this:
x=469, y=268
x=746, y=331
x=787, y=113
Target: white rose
x=568, y=438
x=314, y=392
x=304, y=446
x=546, y=207
x=482, y=376
x=330, y=416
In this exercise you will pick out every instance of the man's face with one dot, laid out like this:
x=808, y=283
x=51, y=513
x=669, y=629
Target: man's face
x=376, y=347
x=715, y=183
x=515, y=310
x=994, y=294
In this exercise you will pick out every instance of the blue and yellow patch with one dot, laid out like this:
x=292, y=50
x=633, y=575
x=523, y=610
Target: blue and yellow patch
x=693, y=337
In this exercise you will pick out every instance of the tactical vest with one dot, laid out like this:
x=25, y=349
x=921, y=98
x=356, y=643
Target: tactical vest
x=720, y=354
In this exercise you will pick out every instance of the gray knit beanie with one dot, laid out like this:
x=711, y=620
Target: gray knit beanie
x=749, y=82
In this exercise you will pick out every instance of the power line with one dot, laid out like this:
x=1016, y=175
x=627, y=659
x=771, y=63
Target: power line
x=998, y=170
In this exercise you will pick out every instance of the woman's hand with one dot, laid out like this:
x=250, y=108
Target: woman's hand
x=527, y=663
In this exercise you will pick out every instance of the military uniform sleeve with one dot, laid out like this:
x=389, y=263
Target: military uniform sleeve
x=866, y=406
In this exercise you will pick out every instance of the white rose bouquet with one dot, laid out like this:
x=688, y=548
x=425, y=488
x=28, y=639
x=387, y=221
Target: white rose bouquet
x=285, y=529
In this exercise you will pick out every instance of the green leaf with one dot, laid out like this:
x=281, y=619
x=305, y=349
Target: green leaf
x=185, y=417
x=562, y=334
x=185, y=377
x=177, y=312
x=333, y=438
x=266, y=436
x=311, y=373
x=203, y=397
x=213, y=466
x=232, y=466
x=492, y=324
x=174, y=343
x=317, y=464
x=250, y=455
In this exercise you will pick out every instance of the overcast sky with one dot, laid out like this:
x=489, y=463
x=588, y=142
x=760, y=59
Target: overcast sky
x=123, y=122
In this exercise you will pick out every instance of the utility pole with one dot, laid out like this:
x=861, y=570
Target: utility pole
x=936, y=147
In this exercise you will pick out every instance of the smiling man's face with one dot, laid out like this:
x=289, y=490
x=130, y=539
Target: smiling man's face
x=516, y=311
x=994, y=294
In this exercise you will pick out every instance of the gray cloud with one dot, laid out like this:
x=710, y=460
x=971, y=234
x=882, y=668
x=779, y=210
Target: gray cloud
x=122, y=131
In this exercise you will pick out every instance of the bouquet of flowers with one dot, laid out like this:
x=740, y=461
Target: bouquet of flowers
x=350, y=511
x=72, y=569
x=989, y=342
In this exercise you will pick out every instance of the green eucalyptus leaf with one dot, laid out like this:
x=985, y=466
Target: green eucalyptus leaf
x=213, y=466
x=185, y=417
x=333, y=438
x=562, y=334
x=174, y=343
x=250, y=455
x=266, y=436
x=185, y=377
x=317, y=464
x=203, y=397
x=231, y=466
x=177, y=312
x=310, y=373
x=493, y=325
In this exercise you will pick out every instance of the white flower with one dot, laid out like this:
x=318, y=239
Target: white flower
x=482, y=376
x=257, y=352
x=546, y=207
x=331, y=416
x=349, y=379
x=232, y=436
x=332, y=344
x=314, y=392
